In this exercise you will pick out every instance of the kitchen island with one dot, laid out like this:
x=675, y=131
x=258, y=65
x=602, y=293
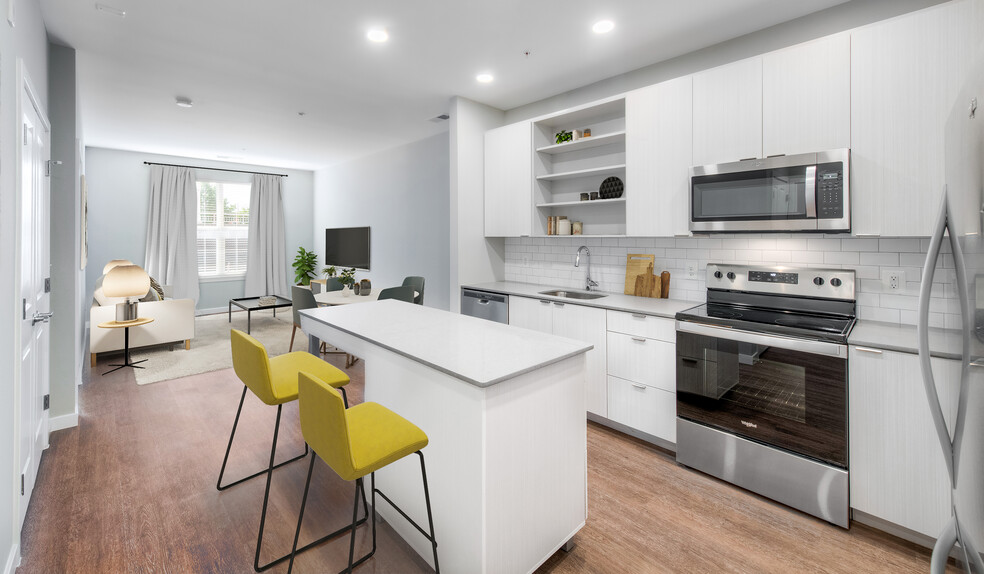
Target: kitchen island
x=504, y=409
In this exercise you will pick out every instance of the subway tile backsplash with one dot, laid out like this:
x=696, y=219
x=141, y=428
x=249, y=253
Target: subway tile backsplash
x=550, y=261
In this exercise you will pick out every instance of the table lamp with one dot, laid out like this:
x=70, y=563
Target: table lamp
x=129, y=281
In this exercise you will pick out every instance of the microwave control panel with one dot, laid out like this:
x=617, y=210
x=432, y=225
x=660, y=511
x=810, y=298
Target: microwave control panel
x=830, y=190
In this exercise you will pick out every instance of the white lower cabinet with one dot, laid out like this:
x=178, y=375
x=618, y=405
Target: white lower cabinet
x=648, y=409
x=897, y=470
x=642, y=373
x=574, y=322
x=647, y=361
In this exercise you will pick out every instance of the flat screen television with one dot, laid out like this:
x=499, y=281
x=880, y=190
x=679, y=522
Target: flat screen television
x=347, y=247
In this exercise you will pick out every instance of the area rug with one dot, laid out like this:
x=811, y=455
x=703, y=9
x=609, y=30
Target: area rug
x=211, y=349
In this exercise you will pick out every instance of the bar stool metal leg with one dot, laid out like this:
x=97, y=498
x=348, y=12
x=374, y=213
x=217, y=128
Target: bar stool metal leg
x=356, y=522
x=218, y=485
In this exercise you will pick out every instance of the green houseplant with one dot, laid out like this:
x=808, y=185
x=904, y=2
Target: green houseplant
x=347, y=277
x=305, y=264
x=329, y=271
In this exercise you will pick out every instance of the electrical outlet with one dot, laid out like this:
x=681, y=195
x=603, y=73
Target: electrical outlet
x=893, y=279
x=526, y=260
x=691, y=269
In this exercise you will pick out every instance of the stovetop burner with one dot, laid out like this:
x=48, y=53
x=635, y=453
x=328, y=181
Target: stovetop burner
x=820, y=327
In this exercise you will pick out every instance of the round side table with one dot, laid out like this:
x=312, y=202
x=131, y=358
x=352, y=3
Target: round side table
x=125, y=325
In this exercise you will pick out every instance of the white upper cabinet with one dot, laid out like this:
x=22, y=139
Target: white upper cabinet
x=728, y=113
x=508, y=180
x=658, y=156
x=806, y=97
x=905, y=75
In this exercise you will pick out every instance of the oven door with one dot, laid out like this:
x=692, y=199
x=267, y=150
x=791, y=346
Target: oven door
x=783, y=392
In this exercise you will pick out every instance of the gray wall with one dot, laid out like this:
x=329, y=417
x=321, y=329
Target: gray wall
x=27, y=41
x=67, y=324
x=402, y=194
x=836, y=19
x=119, y=194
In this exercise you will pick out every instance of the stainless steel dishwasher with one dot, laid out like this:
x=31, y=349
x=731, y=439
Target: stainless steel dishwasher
x=485, y=305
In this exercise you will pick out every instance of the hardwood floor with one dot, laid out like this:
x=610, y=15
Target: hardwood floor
x=132, y=489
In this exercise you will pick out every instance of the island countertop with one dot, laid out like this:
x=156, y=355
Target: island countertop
x=476, y=351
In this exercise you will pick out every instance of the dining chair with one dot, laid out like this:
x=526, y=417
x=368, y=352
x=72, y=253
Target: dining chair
x=303, y=298
x=418, y=285
x=402, y=293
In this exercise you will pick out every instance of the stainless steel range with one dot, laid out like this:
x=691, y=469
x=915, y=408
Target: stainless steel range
x=762, y=383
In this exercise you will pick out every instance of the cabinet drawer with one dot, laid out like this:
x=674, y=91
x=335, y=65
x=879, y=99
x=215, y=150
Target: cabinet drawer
x=642, y=360
x=642, y=325
x=643, y=408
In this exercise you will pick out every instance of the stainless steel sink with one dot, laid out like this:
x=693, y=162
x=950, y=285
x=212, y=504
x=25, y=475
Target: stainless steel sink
x=572, y=294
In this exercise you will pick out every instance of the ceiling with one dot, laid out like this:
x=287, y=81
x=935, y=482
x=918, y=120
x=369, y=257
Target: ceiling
x=251, y=67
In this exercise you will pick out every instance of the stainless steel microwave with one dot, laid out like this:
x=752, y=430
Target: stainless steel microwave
x=803, y=192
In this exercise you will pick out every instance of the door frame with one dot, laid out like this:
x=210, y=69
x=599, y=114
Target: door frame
x=25, y=87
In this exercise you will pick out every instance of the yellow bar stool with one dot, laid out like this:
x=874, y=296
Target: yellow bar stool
x=355, y=442
x=274, y=381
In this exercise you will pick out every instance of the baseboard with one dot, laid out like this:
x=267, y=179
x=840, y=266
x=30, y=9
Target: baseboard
x=651, y=439
x=13, y=560
x=63, y=422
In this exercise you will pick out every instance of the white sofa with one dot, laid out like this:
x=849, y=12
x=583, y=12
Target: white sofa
x=174, y=320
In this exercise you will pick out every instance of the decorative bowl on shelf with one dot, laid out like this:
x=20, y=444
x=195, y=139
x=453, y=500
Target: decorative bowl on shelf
x=611, y=188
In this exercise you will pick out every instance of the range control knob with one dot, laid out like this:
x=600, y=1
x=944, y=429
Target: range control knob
x=835, y=282
x=717, y=274
x=818, y=280
x=731, y=275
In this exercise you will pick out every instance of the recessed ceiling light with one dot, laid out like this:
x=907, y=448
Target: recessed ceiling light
x=111, y=10
x=484, y=78
x=183, y=102
x=603, y=26
x=377, y=35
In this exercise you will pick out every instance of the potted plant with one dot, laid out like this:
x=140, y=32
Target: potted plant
x=305, y=264
x=347, y=278
x=329, y=271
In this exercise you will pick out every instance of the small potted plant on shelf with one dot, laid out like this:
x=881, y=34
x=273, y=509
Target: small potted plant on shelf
x=305, y=264
x=347, y=279
x=329, y=272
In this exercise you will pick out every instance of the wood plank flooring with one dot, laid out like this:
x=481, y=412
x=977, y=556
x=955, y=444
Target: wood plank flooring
x=132, y=489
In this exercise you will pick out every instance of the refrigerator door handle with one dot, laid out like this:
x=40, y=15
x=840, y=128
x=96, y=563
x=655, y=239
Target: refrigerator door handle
x=922, y=331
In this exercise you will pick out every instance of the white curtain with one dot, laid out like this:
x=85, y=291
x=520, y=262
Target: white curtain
x=172, y=230
x=266, y=263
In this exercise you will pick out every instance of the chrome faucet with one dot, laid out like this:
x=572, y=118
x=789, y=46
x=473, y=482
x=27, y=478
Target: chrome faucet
x=577, y=263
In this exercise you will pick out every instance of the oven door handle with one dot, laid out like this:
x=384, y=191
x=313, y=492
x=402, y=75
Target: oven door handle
x=802, y=345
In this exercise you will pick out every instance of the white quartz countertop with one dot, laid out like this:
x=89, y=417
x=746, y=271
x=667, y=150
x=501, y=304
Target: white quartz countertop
x=474, y=350
x=945, y=343
x=614, y=301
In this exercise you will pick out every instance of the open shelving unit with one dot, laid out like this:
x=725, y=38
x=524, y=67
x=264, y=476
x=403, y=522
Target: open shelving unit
x=562, y=172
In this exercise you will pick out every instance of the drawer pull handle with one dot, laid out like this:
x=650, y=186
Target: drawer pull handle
x=558, y=304
x=869, y=350
x=545, y=302
x=638, y=386
x=639, y=339
x=688, y=360
x=638, y=316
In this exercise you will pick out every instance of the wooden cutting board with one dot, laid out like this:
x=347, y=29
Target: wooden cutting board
x=637, y=264
x=648, y=284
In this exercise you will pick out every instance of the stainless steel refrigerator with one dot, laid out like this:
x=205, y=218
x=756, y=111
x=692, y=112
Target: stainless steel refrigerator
x=956, y=253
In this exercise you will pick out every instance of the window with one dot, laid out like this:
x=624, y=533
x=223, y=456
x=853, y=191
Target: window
x=222, y=235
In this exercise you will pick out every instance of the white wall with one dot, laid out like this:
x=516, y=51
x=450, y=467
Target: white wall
x=119, y=195
x=474, y=258
x=27, y=40
x=401, y=194
x=66, y=275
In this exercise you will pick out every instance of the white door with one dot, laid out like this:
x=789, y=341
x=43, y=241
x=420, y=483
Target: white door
x=34, y=270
